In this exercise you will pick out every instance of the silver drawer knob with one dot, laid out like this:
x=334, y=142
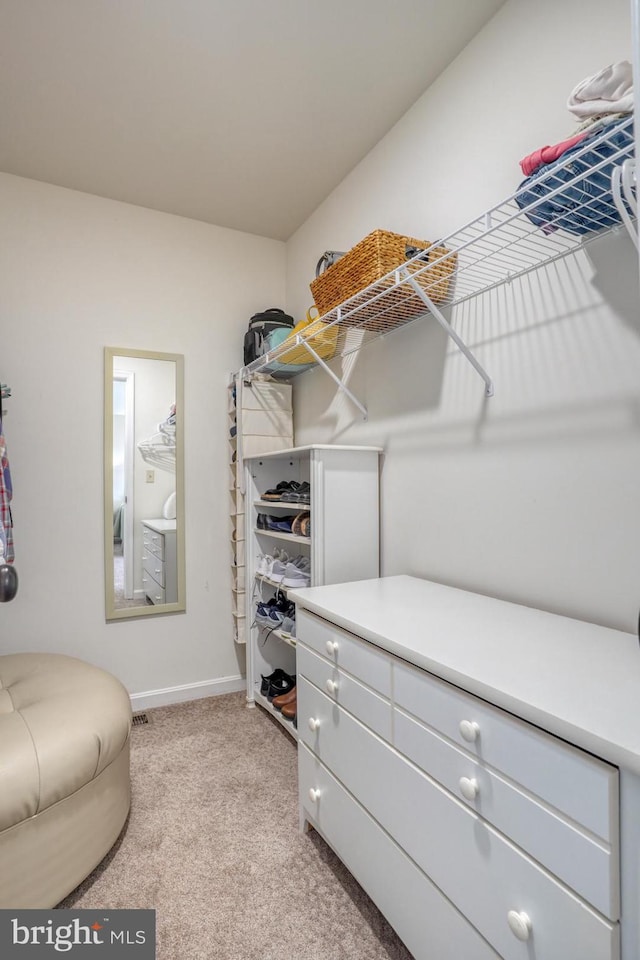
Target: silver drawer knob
x=519, y=924
x=468, y=788
x=332, y=646
x=314, y=794
x=331, y=686
x=314, y=724
x=469, y=730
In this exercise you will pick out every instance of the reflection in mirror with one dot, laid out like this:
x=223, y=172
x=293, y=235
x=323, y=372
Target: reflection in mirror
x=144, y=483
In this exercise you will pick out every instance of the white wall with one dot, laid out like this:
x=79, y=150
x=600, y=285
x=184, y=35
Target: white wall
x=531, y=495
x=80, y=273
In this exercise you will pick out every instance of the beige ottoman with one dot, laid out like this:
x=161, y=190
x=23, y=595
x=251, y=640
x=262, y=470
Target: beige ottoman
x=64, y=774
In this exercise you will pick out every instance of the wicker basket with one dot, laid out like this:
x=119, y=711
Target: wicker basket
x=378, y=254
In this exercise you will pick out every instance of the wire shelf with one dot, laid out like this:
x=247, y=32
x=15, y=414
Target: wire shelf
x=558, y=210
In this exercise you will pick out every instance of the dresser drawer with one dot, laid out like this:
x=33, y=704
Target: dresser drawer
x=152, y=589
x=358, y=658
x=154, y=567
x=344, y=690
x=428, y=924
x=580, y=786
x=481, y=872
x=589, y=866
x=153, y=541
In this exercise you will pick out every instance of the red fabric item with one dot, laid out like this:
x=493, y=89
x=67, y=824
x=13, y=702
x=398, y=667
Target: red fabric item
x=548, y=154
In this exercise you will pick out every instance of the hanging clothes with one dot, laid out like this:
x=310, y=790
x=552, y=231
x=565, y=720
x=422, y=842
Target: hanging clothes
x=6, y=493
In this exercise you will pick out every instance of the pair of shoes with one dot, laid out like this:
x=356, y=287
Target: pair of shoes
x=279, y=685
x=301, y=524
x=284, y=699
x=280, y=565
x=272, y=612
x=265, y=521
x=266, y=682
x=266, y=561
x=302, y=494
x=280, y=524
x=281, y=491
x=274, y=616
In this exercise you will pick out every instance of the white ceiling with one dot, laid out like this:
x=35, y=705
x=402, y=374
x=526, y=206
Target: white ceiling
x=243, y=113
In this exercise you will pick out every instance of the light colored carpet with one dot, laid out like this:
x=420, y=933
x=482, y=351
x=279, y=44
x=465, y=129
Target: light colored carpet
x=212, y=844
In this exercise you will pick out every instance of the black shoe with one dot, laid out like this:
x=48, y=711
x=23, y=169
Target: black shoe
x=280, y=685
x=266, y=681
x=302, y=494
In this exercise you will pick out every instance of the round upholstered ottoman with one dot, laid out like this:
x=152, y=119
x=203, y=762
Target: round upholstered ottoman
x=64, y=774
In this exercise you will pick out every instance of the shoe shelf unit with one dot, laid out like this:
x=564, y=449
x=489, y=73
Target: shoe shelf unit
x=343, y=543
x=260, y=419
x=577, y=200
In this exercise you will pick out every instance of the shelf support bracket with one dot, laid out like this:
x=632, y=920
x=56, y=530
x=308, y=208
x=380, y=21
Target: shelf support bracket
x=444, y=323
x=336, y=379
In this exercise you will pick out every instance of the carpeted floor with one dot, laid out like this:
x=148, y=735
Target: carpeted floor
x=212, y=844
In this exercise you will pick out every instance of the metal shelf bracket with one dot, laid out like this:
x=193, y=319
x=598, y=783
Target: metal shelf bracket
x=444, y=323
x=336, y=379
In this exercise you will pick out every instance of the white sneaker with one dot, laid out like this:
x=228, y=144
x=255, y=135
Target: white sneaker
x=278, y=568
x=297, y=574
x=280, y=557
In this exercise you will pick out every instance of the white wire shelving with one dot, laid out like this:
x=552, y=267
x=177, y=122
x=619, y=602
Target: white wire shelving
x=563, y=207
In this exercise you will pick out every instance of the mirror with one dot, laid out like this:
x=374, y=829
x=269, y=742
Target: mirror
x=143, y=483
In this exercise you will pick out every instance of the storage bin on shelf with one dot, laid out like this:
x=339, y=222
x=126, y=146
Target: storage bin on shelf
x=377, y=255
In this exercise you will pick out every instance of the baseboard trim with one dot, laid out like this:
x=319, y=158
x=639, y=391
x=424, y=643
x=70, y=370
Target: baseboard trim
x=187, y=691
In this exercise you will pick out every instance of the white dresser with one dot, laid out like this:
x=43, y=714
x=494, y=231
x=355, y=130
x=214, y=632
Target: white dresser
x=159, y=565
x=475, y=765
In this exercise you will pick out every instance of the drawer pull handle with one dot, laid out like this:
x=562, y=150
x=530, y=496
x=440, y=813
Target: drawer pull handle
x=468, y=788
x=314, y=724
x=331, y=686
x=469, y=730
x=332, y=646
x=519, y=924
x=314, y=794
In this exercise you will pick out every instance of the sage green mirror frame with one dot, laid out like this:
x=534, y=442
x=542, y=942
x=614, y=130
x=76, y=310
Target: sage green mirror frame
x=143, y=483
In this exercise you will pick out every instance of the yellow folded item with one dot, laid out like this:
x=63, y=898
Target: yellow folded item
x=320, y=337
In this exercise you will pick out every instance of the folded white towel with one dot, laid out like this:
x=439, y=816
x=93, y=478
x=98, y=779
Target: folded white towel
x=610, y=91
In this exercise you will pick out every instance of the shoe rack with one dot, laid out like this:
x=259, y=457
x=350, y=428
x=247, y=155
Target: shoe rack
x=260, y=420
x=343, y=541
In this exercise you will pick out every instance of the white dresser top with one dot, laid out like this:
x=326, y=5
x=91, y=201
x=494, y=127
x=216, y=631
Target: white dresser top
x=160, y=525
x=575, y=679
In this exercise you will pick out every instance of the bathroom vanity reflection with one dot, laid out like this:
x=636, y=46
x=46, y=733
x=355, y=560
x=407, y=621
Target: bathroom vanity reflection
x=144, y=483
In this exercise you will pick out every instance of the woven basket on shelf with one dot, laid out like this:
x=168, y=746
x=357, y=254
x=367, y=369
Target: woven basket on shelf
x=378, y=254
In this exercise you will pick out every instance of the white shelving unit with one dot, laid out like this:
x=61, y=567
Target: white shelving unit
x=344, y=541
x=573, y=205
